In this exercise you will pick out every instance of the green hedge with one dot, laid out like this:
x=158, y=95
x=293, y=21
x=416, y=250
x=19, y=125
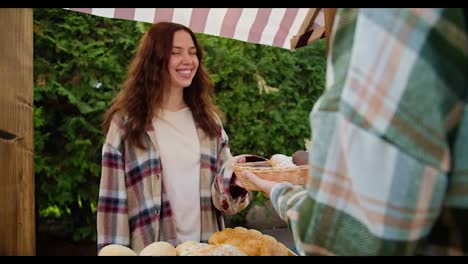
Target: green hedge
x=79, y=63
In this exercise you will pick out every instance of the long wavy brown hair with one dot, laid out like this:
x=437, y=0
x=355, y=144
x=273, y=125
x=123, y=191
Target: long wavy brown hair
x=143, y=90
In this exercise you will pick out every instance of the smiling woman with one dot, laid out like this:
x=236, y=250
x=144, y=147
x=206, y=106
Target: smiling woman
x=183, y=63
x=69, y=108
x=164, y=118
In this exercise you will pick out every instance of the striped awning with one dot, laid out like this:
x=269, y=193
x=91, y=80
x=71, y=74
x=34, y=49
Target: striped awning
x=287, y=28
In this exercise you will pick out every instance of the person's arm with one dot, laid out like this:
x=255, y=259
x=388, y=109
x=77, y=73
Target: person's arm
x=286, y=199
x=112, y=209
x=227, y=196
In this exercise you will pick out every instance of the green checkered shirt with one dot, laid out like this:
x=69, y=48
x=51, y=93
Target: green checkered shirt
x=389, y=153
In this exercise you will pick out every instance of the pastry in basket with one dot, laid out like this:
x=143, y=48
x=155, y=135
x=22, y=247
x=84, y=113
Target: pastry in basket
x=281, y=161
x=300, y=157
x=250, y=241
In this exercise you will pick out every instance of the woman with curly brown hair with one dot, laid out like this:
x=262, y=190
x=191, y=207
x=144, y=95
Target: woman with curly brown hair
x=164, y=161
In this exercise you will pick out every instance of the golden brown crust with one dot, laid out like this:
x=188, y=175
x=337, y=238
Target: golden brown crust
x=250, y=241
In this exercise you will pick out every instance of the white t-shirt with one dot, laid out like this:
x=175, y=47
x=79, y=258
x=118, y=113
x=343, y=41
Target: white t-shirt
x=180, y=156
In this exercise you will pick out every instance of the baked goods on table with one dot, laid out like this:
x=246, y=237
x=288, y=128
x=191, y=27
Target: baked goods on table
x=116, y=250
x=159, y=248
x=184, y=248
x=238, y=241
x=250, y=241
x=203, y=249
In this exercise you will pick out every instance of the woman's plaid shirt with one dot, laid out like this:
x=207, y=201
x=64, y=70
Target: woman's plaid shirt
x=132, y=208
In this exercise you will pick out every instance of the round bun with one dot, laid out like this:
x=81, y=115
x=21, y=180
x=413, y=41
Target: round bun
x=181, y=249
x=300, y=157
x=219, y=250
x=159, y=248
x=193, y=249
x=116, y=250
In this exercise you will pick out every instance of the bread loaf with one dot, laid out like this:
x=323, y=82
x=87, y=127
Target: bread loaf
x=250, y=241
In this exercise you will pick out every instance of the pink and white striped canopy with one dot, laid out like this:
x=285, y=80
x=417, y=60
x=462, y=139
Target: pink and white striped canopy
x=269, y=26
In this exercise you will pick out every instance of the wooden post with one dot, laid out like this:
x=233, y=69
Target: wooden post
x=307, y=33
x=329, y=18
x=17, y=216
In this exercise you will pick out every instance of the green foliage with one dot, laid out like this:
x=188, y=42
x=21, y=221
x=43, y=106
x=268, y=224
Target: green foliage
x=80, y=61
x=258, y=122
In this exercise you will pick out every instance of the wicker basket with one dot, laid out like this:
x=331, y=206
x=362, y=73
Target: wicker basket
x=296, y=175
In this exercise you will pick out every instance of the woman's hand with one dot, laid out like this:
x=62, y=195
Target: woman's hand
x=236, y=188
x=235, y=181
x=265, y=185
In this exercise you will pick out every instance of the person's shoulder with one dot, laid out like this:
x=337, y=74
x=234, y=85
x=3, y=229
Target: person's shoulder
x=118, y=120
x=218, y=119
x=116, y=130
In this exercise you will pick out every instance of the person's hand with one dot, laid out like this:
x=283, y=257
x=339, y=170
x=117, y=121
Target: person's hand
x=236, y=188
x=265, y=185
x=235, y=181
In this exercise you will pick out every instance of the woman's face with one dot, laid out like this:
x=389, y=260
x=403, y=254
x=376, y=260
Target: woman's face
x=183, y=62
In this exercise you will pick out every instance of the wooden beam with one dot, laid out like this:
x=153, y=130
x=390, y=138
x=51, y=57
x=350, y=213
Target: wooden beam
x=302, y=37
x=17, y=215
x=309, y=20
x=329, y=18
